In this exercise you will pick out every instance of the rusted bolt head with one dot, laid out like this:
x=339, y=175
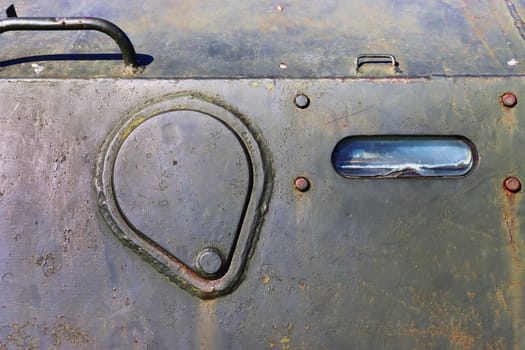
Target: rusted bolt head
x=302, y=184
x=512, y=184
x=302, y=101
x=209, y=261
x=509, y=99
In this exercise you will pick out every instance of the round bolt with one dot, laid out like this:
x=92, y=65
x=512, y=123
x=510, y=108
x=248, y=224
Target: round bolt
x=209, y=261
x=512, y=184
x=509, y=99
x=302, y=184
x=302, y=101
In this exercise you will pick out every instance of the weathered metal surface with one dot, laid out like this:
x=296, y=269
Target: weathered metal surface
x=350, y=263
x=274, y=39
x=117, y=198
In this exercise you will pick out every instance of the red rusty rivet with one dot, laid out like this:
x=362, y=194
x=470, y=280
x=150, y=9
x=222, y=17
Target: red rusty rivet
x=512, y=184
x=509, y=99
x=302, y=184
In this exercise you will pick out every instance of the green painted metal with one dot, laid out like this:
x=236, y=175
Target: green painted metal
x=398, y=263
x=218, y=39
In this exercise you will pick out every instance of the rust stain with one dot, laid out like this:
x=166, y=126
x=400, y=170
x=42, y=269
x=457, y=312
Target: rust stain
x=453, y=332
x=28, y=335
x=284, y=340
x=207, y=323
x=451, y=323
x=304, y=291
x=501, y=299
x=461, y=326
x=20, y=338
x=476, y=27
x=510, y=120
x=64, y=332
x=513, y=303
x=511, y=224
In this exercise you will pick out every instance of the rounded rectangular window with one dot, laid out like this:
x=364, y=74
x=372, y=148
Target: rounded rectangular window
x=404, y=156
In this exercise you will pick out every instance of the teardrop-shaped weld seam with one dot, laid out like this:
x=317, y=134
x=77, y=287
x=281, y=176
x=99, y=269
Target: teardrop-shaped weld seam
x=250, y=223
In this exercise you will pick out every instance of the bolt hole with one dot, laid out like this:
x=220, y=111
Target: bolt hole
x=302, y=101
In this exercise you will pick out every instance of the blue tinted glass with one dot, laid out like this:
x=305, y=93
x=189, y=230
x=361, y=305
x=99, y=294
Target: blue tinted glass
x=395, y=156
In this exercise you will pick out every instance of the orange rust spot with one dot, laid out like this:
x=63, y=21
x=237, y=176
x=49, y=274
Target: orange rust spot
x=461, y=338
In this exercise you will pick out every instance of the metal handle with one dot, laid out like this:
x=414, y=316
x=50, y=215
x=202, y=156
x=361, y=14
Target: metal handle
x=385, y=58
x=13, y=23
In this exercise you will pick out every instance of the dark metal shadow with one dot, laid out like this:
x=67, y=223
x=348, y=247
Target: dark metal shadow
x=143, y=59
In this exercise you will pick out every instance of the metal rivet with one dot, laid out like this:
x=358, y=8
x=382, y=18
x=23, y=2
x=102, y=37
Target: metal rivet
x=283, y=65
x=509, y=99
x=302, y=184
x=209, y=261
x=512, y=184
x=302, y=101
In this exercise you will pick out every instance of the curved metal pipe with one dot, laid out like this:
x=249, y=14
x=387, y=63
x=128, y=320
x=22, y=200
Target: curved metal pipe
x=74, y=23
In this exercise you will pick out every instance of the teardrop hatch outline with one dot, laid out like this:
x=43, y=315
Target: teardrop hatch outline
x=258, y=155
